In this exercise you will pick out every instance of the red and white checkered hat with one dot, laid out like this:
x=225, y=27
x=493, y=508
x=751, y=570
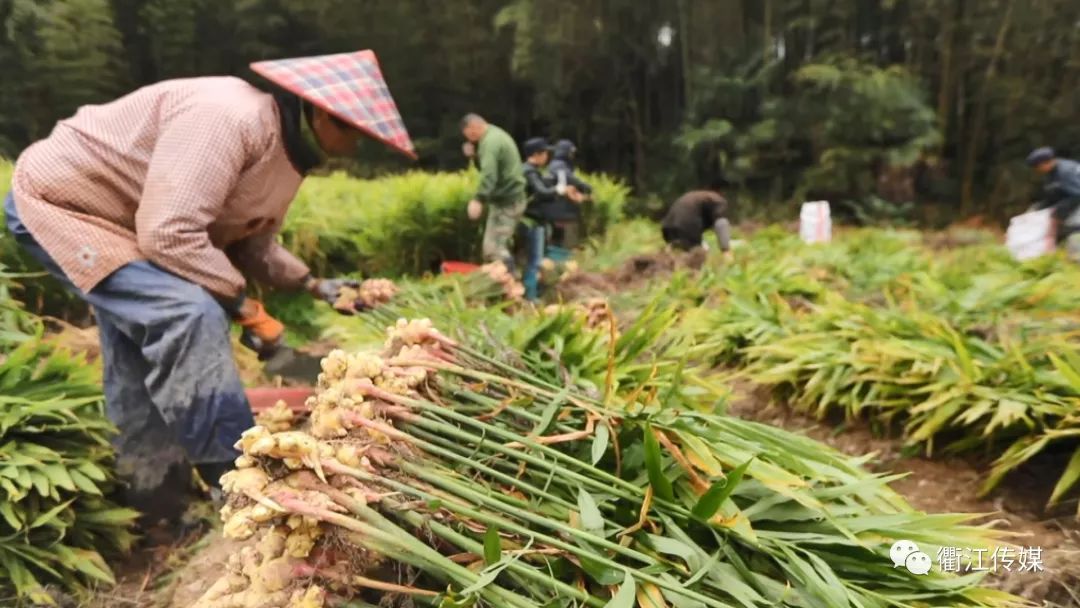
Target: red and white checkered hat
x=349, y=86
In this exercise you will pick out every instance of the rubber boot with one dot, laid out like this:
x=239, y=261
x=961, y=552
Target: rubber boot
x=211, y=472
x=163, y=504
x=531, y=280
x=558, y=254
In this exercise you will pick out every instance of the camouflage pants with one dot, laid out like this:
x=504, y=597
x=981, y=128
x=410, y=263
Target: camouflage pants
x=502, y=222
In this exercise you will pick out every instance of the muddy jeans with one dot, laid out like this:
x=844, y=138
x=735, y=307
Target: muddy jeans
x=171, y=384
x=502, y=222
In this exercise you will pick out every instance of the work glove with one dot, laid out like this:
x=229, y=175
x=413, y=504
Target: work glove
x=330, y=291
x=261, y=332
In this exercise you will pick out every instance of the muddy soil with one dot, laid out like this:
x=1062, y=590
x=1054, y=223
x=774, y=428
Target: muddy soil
x=634, y=273
x=951, y=485
x=204, y=568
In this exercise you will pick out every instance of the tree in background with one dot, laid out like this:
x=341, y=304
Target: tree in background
x=58, y=55
x=869, y=101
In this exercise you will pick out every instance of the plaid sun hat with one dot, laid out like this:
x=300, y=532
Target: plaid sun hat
x=349, y=86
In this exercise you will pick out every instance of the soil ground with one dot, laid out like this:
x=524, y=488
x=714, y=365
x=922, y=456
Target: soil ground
x=634, y=273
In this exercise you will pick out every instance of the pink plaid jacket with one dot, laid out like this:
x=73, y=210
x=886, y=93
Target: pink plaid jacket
x=191, y=175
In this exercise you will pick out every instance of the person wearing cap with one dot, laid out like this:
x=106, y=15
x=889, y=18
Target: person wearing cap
x=691, y=215
x=1061, y=192
x=502, y=187
x=572, y=191
x=541, y=194
x=154, y=207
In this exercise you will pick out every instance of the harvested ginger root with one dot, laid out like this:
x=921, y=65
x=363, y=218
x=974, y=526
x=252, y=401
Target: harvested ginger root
x=262, y=577
x=498, y=272
x=370, y=294
x=276, y=419
x=374, y=292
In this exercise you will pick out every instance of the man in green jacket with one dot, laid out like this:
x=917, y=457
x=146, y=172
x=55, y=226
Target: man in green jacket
x=502, y=186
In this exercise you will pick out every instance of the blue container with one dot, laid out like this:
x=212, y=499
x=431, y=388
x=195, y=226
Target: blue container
x=558, y=254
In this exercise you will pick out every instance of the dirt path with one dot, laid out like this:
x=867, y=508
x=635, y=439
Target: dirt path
x=951, y=485
x=634, y=273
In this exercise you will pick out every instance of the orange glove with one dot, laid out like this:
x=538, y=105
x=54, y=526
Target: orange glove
x=255, y=320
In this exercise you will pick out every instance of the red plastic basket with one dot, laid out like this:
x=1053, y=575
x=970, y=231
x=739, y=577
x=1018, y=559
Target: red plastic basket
x=450, y=267
x=262, y=399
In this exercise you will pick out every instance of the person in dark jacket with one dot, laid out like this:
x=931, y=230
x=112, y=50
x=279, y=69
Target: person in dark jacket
x=691, y=215
x=541, y=194
x=571, y=191
x=1061, y=190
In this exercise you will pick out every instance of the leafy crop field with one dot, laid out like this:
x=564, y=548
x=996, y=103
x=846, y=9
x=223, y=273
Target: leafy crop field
x=584, y=452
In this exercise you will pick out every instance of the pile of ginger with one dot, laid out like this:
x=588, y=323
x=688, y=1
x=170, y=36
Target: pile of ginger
x=296, y=486
x=372, y=293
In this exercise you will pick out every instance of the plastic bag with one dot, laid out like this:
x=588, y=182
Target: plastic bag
x=815, y=222
x=1031, y=235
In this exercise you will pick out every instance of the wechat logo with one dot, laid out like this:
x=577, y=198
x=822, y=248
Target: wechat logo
x=907, y=554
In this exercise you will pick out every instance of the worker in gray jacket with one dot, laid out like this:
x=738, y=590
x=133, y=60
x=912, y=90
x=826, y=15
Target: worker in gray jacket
x=1061, y=192
x=542, y=196
x=565, y=211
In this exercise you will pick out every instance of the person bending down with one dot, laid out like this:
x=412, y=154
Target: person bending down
x=155, y=208
x=1061, y=193
x=691, y=215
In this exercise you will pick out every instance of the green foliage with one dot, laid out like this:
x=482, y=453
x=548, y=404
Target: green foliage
x=746, y=514
x=837, y=129
x=36, y=289
x=794, y=96
x=55, y=466
x=864, y=118
x=171, y=33
x=874, y=210
x=966, y=349
x=405, y=224
x=608, y=205
x=619, y=243
x=389, y=226
x=76, y=56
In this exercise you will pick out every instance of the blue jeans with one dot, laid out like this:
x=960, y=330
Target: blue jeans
x=535, y=238
x=171, y=384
